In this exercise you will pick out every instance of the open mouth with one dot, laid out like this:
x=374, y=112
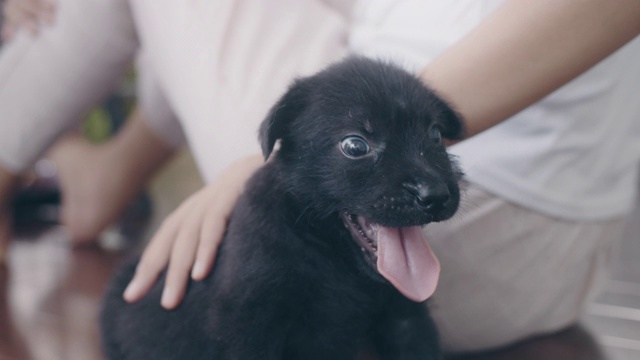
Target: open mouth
x=400, y=254
x=365, y=235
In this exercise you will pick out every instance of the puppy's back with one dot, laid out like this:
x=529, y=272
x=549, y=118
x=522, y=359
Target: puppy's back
x=144, y=330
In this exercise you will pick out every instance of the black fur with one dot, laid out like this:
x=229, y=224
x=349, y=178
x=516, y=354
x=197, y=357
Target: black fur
x=290, y=281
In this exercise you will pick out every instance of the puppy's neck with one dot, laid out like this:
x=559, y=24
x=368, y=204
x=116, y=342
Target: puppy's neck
x=275, y=186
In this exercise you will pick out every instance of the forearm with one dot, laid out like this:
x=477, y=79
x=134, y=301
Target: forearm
x=525, y=50
x=144, y=150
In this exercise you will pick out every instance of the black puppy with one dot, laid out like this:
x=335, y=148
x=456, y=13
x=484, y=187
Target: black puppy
x=323, y=255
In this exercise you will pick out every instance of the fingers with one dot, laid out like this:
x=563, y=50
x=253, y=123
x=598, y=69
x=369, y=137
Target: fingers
x=176, y=243
x=37, y=11
x=153, y=260
x=27, y=14
x=188, y=240
x=14, y=17
x=182, y=257
x=211, y=234
x=47, y=11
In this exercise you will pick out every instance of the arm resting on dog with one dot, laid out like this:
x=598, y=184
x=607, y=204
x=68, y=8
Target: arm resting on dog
x=524, y=51
x=521, y=53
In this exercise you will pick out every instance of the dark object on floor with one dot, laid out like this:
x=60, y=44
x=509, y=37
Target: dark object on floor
x=36, y=207
x=321, y=234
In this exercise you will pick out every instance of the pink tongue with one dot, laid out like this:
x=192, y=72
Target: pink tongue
x=405, y=259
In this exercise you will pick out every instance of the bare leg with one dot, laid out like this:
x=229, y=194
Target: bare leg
x=98, y=181
x=8, y=182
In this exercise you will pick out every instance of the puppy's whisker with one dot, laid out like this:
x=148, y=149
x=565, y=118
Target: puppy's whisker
x=465, y=209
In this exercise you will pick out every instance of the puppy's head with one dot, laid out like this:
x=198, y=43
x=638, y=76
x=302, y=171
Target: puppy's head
x=362, y=140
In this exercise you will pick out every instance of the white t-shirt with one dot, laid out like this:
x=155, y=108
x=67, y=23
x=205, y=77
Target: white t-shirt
x=575, y=154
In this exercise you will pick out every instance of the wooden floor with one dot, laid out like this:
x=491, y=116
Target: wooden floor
x=50, y=296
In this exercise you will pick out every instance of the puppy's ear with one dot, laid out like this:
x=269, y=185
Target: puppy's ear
x=275, y=126
x=451, y=121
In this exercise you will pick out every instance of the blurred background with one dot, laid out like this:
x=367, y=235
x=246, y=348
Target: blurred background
x=50, y=293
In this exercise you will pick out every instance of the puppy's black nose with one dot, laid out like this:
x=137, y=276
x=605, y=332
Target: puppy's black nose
x=429, y=197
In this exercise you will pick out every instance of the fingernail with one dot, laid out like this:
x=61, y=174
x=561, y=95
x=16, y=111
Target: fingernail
x=198, y=270
x=131, y=291
x=167, y=298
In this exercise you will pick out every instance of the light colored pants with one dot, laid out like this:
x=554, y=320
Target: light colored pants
x=217, y=66
x=509, y=272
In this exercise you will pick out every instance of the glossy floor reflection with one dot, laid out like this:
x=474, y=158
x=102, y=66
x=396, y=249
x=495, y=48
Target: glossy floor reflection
x=50, y=297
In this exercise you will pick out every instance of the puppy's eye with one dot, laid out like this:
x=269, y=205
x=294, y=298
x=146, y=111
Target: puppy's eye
x=435, y=135
x=354, y=146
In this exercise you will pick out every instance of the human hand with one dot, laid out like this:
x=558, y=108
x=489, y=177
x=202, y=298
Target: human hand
x=26, y=14
x=189, y=238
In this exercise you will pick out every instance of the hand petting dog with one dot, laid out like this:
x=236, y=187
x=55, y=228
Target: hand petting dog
x=189, y=238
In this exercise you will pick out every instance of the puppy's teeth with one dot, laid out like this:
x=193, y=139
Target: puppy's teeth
x=370, y=233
